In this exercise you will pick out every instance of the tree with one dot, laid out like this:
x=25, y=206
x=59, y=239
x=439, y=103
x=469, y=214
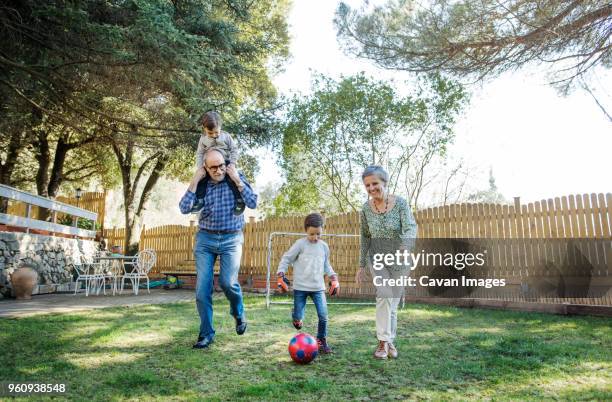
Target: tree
x=345, y=125
x=482, y=38
x=452, y=193
x=15, y=138
x=54, y=148
x=70, y=56
x=59, y=61
x=490, y=195
x=90, y=74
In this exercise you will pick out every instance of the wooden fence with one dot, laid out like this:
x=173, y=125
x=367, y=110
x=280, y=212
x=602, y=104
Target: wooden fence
x=574, y=216
x=91, y=201
x=585, y=216
x=116, y=237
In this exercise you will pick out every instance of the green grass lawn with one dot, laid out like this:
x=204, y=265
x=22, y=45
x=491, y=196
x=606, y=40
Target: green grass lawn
x=445, y=353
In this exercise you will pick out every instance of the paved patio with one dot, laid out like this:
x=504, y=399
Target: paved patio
x=68, y=302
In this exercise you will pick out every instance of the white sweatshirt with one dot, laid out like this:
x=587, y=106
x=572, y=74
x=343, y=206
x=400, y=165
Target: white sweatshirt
x=310, y=263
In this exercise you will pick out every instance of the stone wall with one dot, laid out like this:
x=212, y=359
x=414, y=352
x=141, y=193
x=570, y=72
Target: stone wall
x=52, y=257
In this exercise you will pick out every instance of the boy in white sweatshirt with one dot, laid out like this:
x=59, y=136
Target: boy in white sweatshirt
x=309, y=257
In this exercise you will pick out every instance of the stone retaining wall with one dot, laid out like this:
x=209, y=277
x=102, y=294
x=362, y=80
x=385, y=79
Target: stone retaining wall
x=52, y=257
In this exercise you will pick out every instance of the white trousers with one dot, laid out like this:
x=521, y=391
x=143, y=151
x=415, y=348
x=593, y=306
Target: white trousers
x=386, y=318
x=387, y=301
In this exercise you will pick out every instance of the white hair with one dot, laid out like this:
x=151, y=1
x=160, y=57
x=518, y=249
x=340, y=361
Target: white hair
x=379, y=171
x=211, y=150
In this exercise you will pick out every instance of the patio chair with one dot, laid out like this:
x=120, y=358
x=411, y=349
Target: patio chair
x=113, y=273
x=145, y=260
x=88, y=273
x=110, y=270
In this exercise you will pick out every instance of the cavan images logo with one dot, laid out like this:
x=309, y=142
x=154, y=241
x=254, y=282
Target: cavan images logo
x=527, y=268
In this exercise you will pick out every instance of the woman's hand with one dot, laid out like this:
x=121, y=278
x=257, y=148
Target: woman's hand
x=360, y=275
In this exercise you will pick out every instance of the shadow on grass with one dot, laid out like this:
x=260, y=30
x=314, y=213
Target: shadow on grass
x=445, y=353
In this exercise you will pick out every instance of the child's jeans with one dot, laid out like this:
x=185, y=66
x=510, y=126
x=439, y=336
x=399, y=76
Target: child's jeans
x=318, y=298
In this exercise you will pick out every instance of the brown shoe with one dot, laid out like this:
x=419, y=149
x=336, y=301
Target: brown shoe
x=392, y=350
x=323, y=346
x=382, y=351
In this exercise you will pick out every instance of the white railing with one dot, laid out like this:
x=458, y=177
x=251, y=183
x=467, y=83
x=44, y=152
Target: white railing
x=55, y=207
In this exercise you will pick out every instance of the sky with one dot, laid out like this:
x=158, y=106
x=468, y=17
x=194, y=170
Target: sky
x=537, y=143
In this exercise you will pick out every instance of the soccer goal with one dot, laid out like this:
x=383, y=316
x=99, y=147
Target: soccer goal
x=344, y=258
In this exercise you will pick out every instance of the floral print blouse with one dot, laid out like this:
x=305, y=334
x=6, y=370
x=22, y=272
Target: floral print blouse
x=398, y=223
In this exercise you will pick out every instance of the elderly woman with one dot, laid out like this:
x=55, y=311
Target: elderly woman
x=386, y=220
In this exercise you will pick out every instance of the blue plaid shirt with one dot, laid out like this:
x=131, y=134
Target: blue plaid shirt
x=217, y=213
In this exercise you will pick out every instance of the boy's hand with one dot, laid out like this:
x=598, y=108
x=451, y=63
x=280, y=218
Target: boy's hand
x=282, y=283
x=198, y=175
x=232, y=172
x=334, y=286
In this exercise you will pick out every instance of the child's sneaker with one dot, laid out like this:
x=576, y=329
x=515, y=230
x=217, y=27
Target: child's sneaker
x=323, y=346
x=298, y=324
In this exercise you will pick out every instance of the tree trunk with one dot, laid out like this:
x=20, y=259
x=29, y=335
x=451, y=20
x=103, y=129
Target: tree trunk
x=125, y=165
x=129, y=188
x=15, y=146
x=56, y=178
x=6, y=169
x=130, y=232
x=134, y=213
x=137, y=219
x=43, y=157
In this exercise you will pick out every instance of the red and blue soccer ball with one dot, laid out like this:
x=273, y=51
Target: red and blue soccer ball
x=303, y=348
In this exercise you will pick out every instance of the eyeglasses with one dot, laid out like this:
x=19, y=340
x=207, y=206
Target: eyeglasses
x=217, y=167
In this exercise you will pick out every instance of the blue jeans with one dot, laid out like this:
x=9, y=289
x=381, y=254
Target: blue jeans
x=228, y=246
x=318, y=298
